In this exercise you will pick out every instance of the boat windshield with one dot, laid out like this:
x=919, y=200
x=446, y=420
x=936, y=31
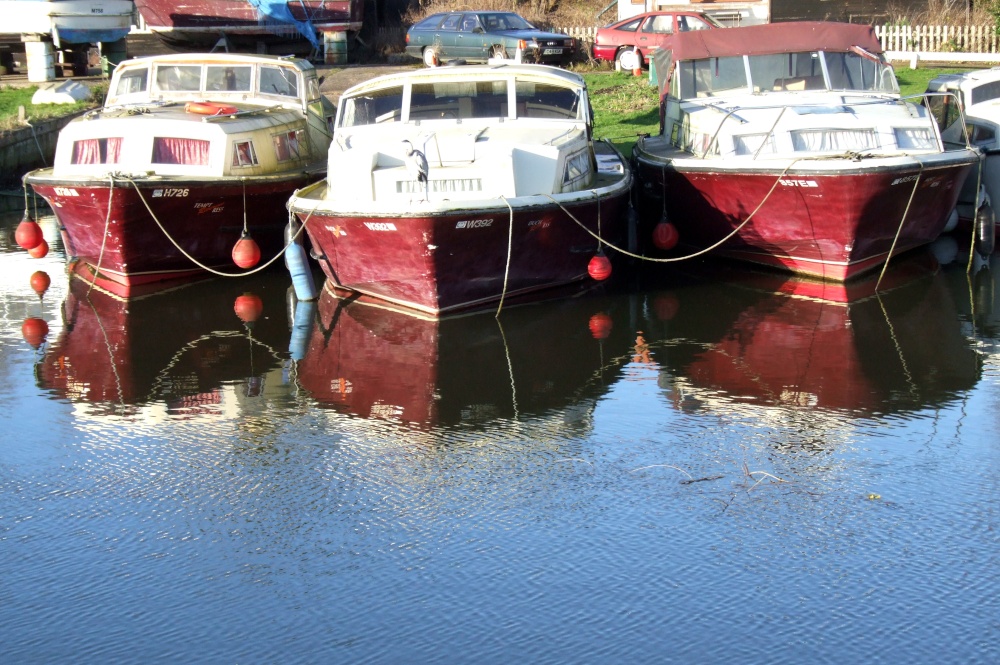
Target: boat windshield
x=460, y=100
x=806, y=70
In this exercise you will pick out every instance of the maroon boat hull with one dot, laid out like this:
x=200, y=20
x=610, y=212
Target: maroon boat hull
x=833, y=226
x=465, y=258
x=204, y=218
x=210, y=17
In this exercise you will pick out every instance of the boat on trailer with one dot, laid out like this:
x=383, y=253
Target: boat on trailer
x=789, y=145
x=453, y=188
x=189, y=153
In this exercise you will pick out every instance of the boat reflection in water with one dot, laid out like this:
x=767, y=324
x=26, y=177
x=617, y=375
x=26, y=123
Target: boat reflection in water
x=374, y=362
x=182, y=350
x=826, y=348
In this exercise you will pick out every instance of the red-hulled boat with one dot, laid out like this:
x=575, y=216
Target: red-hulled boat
x=788, y=145
x=455, y=187
x=201, y=22
x=188, y=153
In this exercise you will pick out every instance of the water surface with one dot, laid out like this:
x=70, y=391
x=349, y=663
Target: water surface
x=703, y=465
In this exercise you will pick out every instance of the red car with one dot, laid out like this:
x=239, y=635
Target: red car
x=645, y=32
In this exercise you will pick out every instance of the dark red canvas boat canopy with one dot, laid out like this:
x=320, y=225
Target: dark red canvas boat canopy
x=769, y=38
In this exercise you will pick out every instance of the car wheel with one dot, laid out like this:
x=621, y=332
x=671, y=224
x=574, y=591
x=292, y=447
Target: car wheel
x=498, y=53
x=430, y=57
x=628, y=59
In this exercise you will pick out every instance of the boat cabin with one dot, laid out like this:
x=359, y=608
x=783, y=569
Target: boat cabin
x=486, y=132
x=202, y=115
x=803, y=90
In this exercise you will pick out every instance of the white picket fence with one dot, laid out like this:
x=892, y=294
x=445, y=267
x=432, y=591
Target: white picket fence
x=939, y=38
x=924, y=38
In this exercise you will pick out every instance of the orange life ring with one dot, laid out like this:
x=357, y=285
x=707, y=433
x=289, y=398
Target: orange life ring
x=210, y=108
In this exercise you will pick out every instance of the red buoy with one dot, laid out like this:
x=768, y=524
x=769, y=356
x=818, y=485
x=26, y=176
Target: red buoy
x=34, y=331
x=40, y=250
x=246, y=253
x=28, y=234
x=665, y=235
x=40, y=281
x=599, y=267
x=248, y=307
x=600, y=325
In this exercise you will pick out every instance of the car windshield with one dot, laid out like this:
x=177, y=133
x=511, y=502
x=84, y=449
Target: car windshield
x=504, y=22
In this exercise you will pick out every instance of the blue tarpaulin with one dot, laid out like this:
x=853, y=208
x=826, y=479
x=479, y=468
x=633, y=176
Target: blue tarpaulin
x=277, y=11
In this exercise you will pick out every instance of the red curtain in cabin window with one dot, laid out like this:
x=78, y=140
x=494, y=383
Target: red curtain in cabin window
x=87, y=151
x=168, y=150
x=114, y=150
x=281, y=148
x=97, y=151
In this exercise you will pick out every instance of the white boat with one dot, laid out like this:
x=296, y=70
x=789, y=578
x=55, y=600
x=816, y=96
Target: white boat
x=189, y=153
x=789, y=145
x=455, y=187
x=975, y=97
x=70, y=21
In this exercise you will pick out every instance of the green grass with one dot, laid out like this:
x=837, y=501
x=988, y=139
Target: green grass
x=12, y=98
x=625, y=106
x=914, y=81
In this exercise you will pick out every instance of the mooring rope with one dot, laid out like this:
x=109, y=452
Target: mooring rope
x=902, y=221
x=510, y=246
x=213, y=270
x=674, y=259
x=104, y=238
x=975, y=214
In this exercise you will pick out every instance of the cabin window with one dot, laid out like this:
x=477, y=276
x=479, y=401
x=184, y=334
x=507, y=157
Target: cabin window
x=850, y=71
x=787, y=71
x=749, y=144
x=290, y=145
x=982, y=134
x=834, y=140
x=945, y=109
x=178, y=77
x=244, y=154
x=915, y=139
x=474, y=99
x=170, y=150
x=132, y=81
x=372, y=107
x=540, y=100
x=704, y=78
x=278, y=81
x=228, y=78
x=577, y=169
x=97, y=151
x=985, y=92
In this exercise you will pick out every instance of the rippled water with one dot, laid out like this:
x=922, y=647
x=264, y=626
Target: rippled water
x=769, y=474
